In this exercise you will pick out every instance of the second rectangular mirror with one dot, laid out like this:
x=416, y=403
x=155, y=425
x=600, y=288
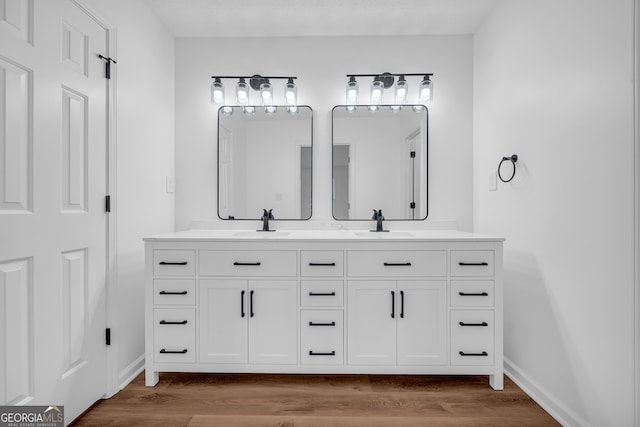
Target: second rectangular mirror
x=264, y=162
x=380, y=162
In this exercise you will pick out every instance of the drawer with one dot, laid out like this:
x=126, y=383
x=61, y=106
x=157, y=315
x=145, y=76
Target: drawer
x=321, y=293
x=174, y=291
x=321, y=337
x=248, y=263
x=321, y=263
x=174, y=335
x=174, y=263
x=472, y=337
x=397, y=263
x=472, y=293
x=472, y=263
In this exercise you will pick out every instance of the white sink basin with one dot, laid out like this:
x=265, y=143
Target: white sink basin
x=382, y=235
x=263, y=234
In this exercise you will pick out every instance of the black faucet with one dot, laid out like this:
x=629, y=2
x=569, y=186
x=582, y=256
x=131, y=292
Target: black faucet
x=266, y=216
x=377, y=215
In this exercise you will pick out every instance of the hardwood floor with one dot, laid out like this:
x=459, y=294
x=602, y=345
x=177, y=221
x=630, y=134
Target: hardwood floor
x=255, y=400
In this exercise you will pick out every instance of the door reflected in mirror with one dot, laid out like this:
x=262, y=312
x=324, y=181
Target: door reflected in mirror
x=264, y=162
x=380, y=162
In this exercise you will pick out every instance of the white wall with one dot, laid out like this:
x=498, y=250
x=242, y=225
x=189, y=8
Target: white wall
x=553, y=83
x=320, y=65
x=145, y=156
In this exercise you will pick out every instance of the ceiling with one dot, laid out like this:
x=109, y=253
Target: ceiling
x=296, y=18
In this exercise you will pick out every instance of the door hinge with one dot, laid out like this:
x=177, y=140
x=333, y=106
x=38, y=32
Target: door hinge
x=413, y=154
x=107, y=336
x=107, y=203
x=107, y=64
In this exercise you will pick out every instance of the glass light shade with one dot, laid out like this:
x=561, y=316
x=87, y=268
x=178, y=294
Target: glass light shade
x=401, y=91
x=266, y=91
x=217, y=92
x=377, y=89
x=352, y=91
x=242, y=92
x=290, y=93
x=426, y=91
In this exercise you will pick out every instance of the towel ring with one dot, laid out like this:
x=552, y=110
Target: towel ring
x=513, y=159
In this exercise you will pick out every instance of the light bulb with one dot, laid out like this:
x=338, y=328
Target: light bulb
x=377, y=88
x=401, y=91
x=266, y=91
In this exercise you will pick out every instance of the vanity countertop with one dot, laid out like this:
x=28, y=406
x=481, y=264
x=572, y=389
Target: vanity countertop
x=323, y=235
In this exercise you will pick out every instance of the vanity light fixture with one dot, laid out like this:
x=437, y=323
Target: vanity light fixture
x=386, y=80
x=257, y=83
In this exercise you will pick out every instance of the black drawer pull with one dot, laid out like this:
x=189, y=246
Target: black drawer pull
x=163, y=351
x=251, y=304
x=322, y=294
x=473, y=324
x=484, y=353
x=173, y=293
x=477, y=264
x=393, y=305
x=242, y=313
x=479, y=294
x=397, y=264
x=165, y=322
x=173, y=263
x=246, y=263
x=322, y=324
x=322, y=264
x=315, y=353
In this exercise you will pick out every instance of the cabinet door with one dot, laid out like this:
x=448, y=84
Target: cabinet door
x=223, y=321
x=371, y=322
x=273, y=322
x=422, y=323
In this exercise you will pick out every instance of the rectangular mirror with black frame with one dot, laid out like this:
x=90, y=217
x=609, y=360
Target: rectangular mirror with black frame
x=264, y=162
x=380, y=158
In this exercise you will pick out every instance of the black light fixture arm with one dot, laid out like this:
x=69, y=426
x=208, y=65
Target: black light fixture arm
x=513, y=159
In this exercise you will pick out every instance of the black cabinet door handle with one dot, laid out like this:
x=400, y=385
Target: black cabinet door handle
x=322, y=294
x=397, y=264
x=165, y=322
x=479, y=294
x=251, y=303
x=393, y=305
x=173, y=262
x=322, y=264
x=467, y=264
x=462, y=353
x=322, y=324
x=163, y=351
x=242, y=303
x=473, y=324
x=246, y=263
x=402, y=304
x=173, y=292
x=315, y=353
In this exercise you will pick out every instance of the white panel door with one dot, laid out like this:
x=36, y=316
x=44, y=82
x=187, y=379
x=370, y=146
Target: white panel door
x=53, y=226
x=224, y=314
x=371, y=325
x=422, y=323
x=273, y=321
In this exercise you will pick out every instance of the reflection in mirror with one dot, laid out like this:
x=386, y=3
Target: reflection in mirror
x=264, y=162
x=380, y=162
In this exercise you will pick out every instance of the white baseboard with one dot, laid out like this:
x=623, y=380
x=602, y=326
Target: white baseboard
x=546, y=400
x=130, y=372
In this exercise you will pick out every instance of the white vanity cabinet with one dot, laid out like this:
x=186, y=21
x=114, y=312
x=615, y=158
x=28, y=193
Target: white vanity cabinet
x=324, y=302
